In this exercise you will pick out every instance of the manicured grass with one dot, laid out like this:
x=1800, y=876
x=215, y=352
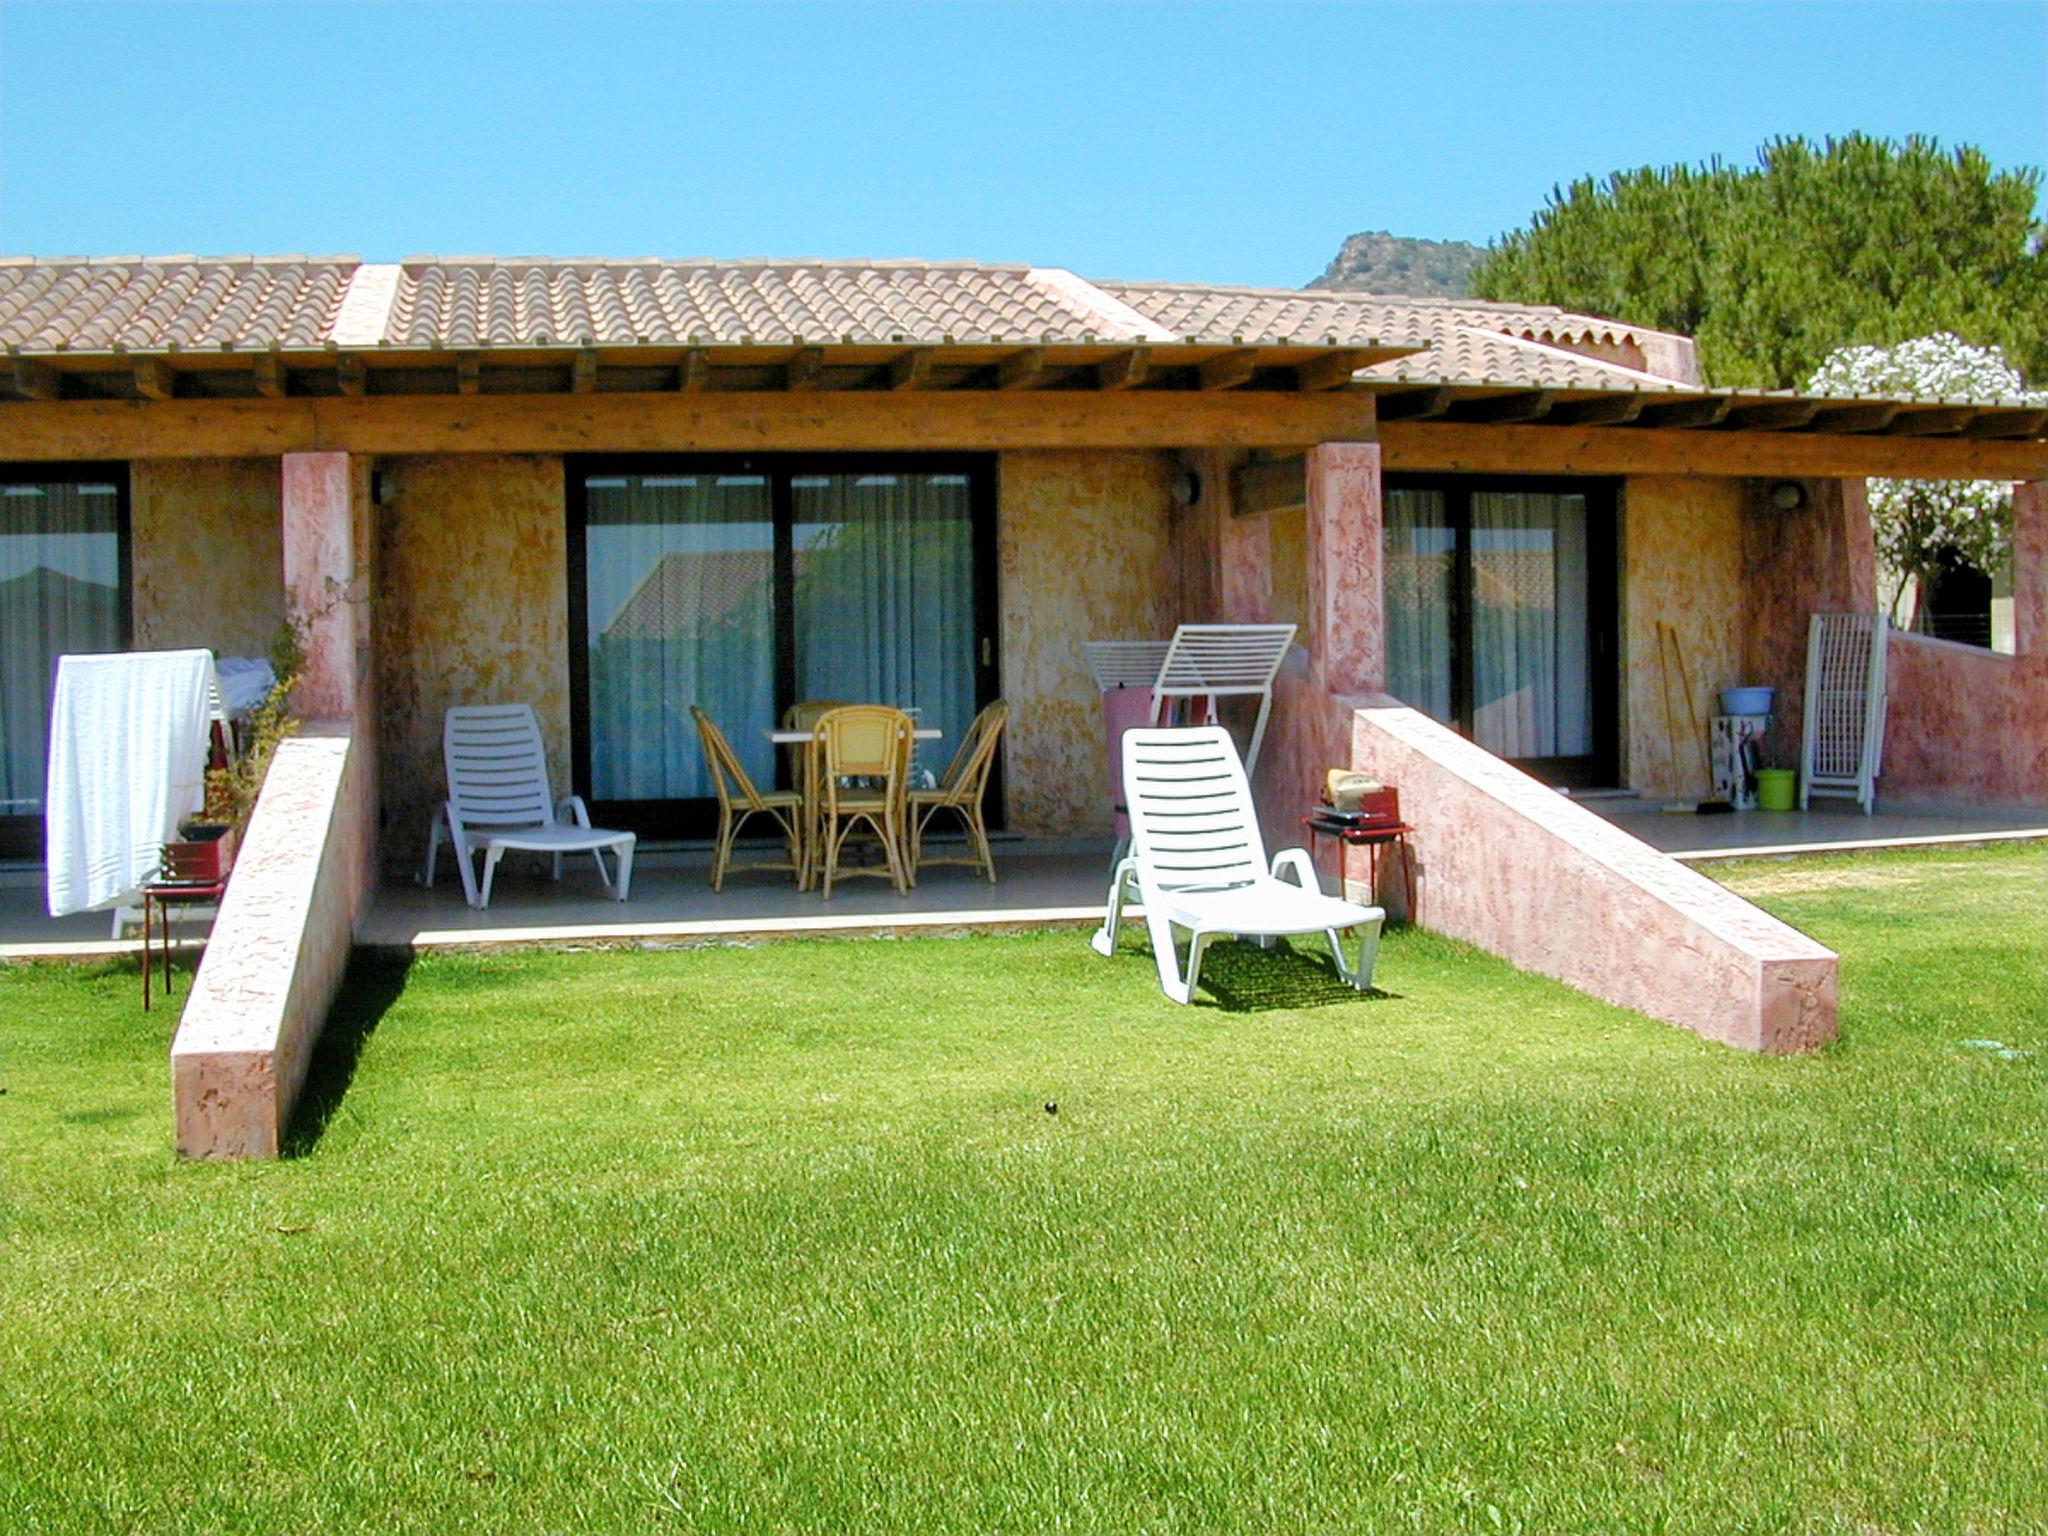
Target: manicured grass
x=787, y=1239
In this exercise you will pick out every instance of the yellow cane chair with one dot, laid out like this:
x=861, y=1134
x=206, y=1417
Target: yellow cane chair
x=861, y=757
x=738, y=800
x=961, y=790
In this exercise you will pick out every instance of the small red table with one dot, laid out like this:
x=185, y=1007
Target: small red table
x=158, y=897
x=1372, y=836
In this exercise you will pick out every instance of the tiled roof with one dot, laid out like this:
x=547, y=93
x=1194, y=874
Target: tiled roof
x=625, y=303
x=1464, y=341
x=167, y=303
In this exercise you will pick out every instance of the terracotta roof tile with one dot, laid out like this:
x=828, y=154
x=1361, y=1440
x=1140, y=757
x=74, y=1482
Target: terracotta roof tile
x=163, y=303
x=472, y=303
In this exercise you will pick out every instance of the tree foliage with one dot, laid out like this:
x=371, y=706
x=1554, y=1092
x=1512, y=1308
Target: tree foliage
x=1854, y=240
x=1914, y=520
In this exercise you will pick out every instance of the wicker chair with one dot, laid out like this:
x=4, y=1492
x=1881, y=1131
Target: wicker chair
x=961, y=790
x=860, y=756
x=738, y=800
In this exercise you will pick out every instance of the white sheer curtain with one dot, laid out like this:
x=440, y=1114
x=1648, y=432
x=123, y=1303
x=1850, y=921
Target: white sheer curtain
x=1419, y=548
x=1531, y=679
x=60, y=594
x=885, y=593
x=680, y=588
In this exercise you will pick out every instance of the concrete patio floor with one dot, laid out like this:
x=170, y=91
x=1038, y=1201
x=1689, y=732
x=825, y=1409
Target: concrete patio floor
x=1040, y=883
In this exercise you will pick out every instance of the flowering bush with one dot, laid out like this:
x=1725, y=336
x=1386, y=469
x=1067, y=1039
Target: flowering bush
x=1915, y=519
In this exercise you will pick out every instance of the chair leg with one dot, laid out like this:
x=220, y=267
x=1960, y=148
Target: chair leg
x=435, y=827
x=1360, y=973
x=465, y=866
x=492, y=854
x=1167, y=960
x=892, y=850
x=978, y=826
x=722, y=849
x=1104, y=941
x=623, y=852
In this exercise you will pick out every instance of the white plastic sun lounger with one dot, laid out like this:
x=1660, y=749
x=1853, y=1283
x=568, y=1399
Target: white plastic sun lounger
x=499, y=800
x=1197, y=862
x=1842, y=741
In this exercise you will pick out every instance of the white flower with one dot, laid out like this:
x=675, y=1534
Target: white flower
x=1914, y=519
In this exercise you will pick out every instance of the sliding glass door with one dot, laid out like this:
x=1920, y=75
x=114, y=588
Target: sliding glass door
x=1500, y=612
x=743, y=586
x=63, y=590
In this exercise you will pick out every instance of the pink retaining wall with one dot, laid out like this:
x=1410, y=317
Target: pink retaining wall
x=278, y=949
x=1967, y=724
x=1501, y=860
x=1518, y=869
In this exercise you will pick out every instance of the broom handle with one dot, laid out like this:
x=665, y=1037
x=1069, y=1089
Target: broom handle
x=1692, y=714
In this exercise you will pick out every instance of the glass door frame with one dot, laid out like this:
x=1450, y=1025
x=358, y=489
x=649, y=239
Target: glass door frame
x=21, y=837
x=697, y=818
x=1601, y=768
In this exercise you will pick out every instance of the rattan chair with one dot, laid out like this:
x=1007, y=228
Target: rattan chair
x=860, y=757
x=961, y=790
x=738, y=800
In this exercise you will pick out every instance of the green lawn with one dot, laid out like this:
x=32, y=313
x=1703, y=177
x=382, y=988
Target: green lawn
x=786, y=1238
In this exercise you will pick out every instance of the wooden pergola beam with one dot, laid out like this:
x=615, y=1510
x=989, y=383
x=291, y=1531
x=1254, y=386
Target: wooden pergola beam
x=1416, y=404
x=911, y=369
x=1776, y=417
x=583, y=373
x=37, y=380
x=352, y=374
x=707, y=422
x=1459, y=448
x=1856, y=418
x=1691, y=413
x=469, y=371
x=806, y=370
x=269, y=368
x=1021, y=370
x=1126, y=370
x=154, y=379
x=1227, y=370
x=1601, y=411
x=1332, y=372
x=2008, y=424
x=1264, y=486
x=693, y=370
x=1529, y=405
x=1934, y=423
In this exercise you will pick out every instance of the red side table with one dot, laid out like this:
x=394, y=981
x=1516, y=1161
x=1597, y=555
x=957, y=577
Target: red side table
x=158, y=897
x=1372, y=835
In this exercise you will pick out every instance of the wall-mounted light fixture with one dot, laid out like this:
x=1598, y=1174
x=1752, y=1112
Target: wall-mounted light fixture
x=1187, y=488
x=1788, y=495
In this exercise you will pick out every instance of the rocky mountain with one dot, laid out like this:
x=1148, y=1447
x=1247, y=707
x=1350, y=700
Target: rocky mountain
x=1377, y=262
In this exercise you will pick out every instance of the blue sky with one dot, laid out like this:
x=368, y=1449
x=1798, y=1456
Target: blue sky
x=1227, y=143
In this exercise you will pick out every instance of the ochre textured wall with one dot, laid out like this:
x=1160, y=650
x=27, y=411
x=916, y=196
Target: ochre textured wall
x=1683, y=568
x=207, y=563
x=1086, y=554
x=473, y=609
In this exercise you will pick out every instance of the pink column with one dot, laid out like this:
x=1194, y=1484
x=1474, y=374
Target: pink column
x=322, y=506
x=1347, y=627
x=2030, y=568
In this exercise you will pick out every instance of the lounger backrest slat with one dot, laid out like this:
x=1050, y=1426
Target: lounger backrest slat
x=497, y=767
x=1220, y=659
x=1192, y=819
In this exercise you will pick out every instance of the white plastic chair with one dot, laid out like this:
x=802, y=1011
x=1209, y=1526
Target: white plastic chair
x=1841, y=745
x=1197, y=862
x=499, y=800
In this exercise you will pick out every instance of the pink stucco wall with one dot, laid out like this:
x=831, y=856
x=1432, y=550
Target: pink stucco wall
x=1501, y=860
x=278, y=949
x=1964, y=723
x=307, y=863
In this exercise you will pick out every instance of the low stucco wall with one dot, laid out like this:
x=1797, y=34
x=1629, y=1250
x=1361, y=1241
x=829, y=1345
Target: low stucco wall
x=473, y=570
x=1086, y=553
x=1521, y=871
x=206, y=554
x=278, y=949
x=1964, y=724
